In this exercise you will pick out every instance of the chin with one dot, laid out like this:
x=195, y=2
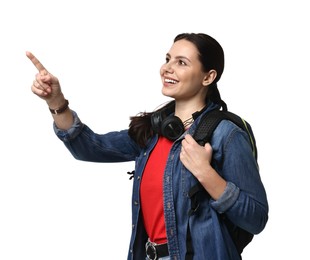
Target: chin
x=166, y=93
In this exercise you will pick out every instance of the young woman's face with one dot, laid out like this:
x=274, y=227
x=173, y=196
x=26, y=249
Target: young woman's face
x=182, y=74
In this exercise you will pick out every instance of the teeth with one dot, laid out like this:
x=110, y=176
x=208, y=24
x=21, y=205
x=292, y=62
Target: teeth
x=170, y=81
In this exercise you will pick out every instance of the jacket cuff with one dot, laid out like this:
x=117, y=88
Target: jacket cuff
x=72, y=132
x=227, y=199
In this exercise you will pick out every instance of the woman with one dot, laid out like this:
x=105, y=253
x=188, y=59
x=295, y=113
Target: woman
x=169, y=161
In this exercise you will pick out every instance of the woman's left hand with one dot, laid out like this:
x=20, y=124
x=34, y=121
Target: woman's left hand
x=196, y=158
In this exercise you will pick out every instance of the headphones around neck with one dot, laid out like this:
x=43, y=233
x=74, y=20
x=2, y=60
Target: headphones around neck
x=166, y=124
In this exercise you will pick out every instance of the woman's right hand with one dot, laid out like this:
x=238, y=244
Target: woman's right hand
x=45, y=85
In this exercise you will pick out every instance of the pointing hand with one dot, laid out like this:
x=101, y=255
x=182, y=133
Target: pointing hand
x=45, y=85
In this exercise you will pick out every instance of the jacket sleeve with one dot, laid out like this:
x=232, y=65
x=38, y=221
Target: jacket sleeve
x=244, y=200
x=86, y=145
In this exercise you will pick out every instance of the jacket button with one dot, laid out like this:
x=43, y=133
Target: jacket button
x=136, y=203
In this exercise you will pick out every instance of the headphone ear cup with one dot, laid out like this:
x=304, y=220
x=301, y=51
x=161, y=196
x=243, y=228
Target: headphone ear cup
x=172, y=128
x=156, y=120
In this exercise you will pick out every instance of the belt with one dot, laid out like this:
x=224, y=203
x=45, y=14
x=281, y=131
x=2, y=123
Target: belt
x=155, y=251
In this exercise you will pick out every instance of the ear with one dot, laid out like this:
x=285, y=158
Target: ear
x=209, y=78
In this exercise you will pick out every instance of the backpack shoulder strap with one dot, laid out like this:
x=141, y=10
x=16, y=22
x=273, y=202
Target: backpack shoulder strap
x=210, y=121
x=207, y=125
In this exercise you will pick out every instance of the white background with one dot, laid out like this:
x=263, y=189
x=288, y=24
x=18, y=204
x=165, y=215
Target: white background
x=107, y=56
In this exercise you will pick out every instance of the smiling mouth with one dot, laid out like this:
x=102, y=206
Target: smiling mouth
x=171, y=81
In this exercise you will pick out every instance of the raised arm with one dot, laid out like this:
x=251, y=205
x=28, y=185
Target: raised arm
x=47, y=87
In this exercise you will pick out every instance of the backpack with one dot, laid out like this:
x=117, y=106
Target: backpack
x=202, y=135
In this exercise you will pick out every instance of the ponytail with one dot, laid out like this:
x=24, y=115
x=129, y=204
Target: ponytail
x=215, y=96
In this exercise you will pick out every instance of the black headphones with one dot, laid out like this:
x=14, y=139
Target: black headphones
x=168, y=125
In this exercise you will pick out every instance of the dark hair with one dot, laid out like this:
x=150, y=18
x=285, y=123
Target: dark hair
x=211, y=56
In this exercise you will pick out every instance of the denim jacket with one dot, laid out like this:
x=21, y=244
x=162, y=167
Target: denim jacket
x=244, y=200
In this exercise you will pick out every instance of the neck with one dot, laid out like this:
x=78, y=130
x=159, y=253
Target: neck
x=185, y=112
x=188, y=122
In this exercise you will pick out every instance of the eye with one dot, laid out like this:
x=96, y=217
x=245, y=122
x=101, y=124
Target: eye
x=167, y=59
x=181, y=62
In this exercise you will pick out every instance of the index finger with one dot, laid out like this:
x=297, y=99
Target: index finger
x=189, y=138
x=36, y=63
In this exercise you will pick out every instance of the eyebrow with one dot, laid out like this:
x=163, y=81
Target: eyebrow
x=179, y=57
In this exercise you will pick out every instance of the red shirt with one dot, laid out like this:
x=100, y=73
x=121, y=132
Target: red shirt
x=151, y=192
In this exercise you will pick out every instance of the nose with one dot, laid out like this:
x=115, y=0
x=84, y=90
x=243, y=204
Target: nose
x=167, y=68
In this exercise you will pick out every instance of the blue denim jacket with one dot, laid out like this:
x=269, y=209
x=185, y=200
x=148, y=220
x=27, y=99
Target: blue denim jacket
x=244, y=200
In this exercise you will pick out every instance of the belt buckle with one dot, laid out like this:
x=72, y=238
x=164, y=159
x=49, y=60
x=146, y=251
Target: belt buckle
x=150, y=250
